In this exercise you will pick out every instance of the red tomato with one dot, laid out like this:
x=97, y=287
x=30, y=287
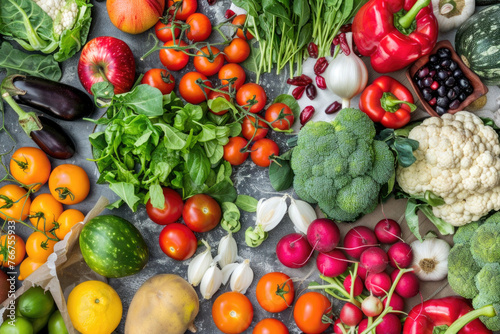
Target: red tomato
x=164, y=31
x=200, y=27
x=253, y=96
x=201, y=213
x=233, y=75
x=237, y=51
x=308, y=311
x=178, y=241
x=213, y=95
x=280, y=116
x=187, y=7
x=275, y=292
x=270, y=326
x=206, y=63
x=232, y=151
x=172, y=59
x=190, y=90
x=240, y=21
x=159, y=78
x=172, y=210
x=262, y=149
x=248, y=128
x=232, y=312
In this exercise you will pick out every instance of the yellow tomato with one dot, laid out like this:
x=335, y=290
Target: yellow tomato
x=44, y=211
x=30, y=166
x=39, y=247
x=67, y=220
x=27, y=267
x=69, y=184
x=14, y=203
x=12, y=250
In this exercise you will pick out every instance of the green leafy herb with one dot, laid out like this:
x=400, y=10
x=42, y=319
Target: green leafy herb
x=246, y=203
x=280, y=172
x=403, y=147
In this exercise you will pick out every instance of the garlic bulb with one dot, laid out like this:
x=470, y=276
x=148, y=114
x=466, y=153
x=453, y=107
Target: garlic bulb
x=211, y=281
x=227, y=251
x=242, y=277
x=302, y=214
x=450, y=14
x=430, y=259
x=199, y=265
x=346, y=76
x=269, y=213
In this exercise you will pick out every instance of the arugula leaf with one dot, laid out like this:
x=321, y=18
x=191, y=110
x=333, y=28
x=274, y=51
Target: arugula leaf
x=143, y=100
x=198, y=165
x=173, y=139
x=156, y=196
x=223, y=191
x=246, y=203
x=126, y=192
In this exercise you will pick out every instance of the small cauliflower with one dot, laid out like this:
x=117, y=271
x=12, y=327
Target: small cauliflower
x=458, y=160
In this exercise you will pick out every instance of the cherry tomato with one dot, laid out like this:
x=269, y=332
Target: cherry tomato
x=172, y=59
x=187, y=8
x=213, y=95
x=237, y=51
x=27, y=267
x=191, y=91
x=67, y=220
x=262, y=149
x=69, y=184
x=159, y=78
x=248, y=128
x=12, y=250
x=232, y=151
x=251, y=94
x=232, y=312
x=240, y=21
x=270, y=326
x=280, y=116
x=206, y=63
x=44, y=211
x=39, y=247
x=178, y=241
x=275, y=292
x=308, y=311
x=200, y=27
x=172, y=210
x=201, y=213
x=14, y=203
x=164, y=31
x=30, y=165
x=232, y=74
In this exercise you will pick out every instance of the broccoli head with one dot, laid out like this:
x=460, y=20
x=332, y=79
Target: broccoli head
x=462, y=270
x=485, y=243
x=340, y=166
x=465, y=232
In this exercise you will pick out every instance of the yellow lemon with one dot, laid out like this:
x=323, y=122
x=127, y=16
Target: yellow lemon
x=94, y=308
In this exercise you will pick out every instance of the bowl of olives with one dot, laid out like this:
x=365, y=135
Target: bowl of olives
x=442, y=81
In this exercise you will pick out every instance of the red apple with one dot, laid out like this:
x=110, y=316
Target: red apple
x=134, y=16
x=107, y=59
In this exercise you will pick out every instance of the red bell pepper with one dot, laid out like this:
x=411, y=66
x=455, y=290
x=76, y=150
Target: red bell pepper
x=395, y=33
x=387, y=101
x=445, y=311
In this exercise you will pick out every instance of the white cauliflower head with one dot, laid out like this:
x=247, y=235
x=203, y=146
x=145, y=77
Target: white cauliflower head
x=458, y=160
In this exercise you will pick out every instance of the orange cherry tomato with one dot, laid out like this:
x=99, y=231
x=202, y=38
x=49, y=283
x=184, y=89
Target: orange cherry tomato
x=30, y=166
x=262, y=150
x=200, y=27
x=232, y=74
x=27, y=267
x=159, y=78
x=280, y=116
x=172, y=59
x=164, y=31
x=39, y=247
x=253, y=96
x=232, y=312
x=249, y=131
x=67, y=220
x=270, y=326
x=44, y=211
x=208, y=63
x=191, y=91
x=12, y=250
x=232, y=151
x=186, y=8
x=69, y=184
x=240, y=21
x=275, y=292
x=237, y=51
x=309, y=310
x=14, y=203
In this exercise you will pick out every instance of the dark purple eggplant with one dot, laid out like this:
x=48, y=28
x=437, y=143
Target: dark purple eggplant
x=53, y=140
x=51, y=97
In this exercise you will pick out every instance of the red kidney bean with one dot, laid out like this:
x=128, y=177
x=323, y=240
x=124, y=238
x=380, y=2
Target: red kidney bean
x=320, y=66
x=229, y=14
x=306, y=114
x=343, y=44
x=302, y=80
x=298, y=92
x=320, y=82
x=311, y=91
x=346, y=28
x=333, y=108
x=332, y=49
x=313, y=50
x=211, y=2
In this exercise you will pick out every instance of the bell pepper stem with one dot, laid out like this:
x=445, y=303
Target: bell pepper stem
x=390, y=103
x=487, y=311
x=406, y=20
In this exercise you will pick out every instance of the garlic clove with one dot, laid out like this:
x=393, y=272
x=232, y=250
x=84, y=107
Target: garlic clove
x=242, y=277
x=430, y=259
x=302, y=214
x=227, y=271
x=270, y=212
x=227, y=251
x=211, y=281
x=199, y=265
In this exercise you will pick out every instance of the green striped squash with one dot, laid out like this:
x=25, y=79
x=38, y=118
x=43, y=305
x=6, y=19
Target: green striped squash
x=477, y=42
x=113, y=247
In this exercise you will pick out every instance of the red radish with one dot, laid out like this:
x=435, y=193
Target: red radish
x=374, y=259
x=350, y=315
x=362, y=273
x=358, y=285
x=408, y=285
x=372, y=306
x=400, y=255
x=363, y=325
x=323, y=235
x=388, y=231
x=390, y=325
x=358, y=239
x=379, y=284
x=397, y=302
x=332, y=264
x=293, y=250
x=337, y=325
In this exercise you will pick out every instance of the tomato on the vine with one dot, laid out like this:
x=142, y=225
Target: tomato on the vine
x=201, y=213
x=232, y=312
x=69, y=184
x=237, y=51
x=262, y=149
x=164, y=31
x=30, y=165
x=44, y=211
x=187, y=8
x=67, y=220
x=232, y=74
x=213, y=95
x=12, y=250
x=309, y=310
x=232, y=151
x=14, y=203
x=208, y=62
x=172, y=210
x=275, y=292
x=248, y=128
x=270, y=326
x=200, y=27
x=159, y=78
x=280, y=116
x=252, y=97
x=172, y=59
x=39, y=246
x=178, y=241
x=240, y=21
x=191, y=90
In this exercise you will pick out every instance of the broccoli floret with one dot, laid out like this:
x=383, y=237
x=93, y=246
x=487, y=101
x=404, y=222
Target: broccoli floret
x=361, y=160
x=487, y=311
x=488, y=281
x=462, y=270
x=485, y=243
x=383, y=167
x=358, y=195
x=356, y=122
x=464, y=233
x=495, y=218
